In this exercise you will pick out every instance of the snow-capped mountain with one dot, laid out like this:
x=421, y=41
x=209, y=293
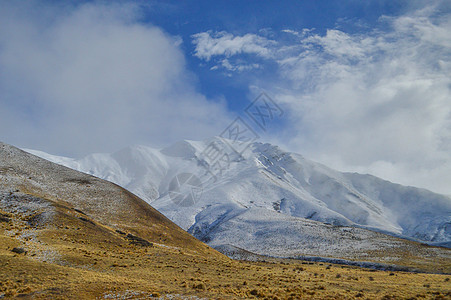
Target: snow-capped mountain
x=270, y=201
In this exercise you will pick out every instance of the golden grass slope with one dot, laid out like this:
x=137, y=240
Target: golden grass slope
x=103, y=201
x=74, y=259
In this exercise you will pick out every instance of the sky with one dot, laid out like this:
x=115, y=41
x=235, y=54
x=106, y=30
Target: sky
x=364, y=86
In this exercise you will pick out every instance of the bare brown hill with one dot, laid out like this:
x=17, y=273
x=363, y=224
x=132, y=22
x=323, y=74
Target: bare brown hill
x=92, y=198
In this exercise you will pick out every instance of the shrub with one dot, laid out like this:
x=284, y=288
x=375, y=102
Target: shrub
x=199, y=286
x=18, y=250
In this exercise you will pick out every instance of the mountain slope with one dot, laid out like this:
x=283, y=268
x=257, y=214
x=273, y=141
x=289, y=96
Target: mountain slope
x=291, y=193
x=104, y=202
x=68, y=235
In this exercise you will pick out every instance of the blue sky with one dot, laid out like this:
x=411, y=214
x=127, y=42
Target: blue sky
x=364, y=85
x=187, y=18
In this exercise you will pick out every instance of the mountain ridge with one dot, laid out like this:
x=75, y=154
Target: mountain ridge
x=282, y=182
x=105, y=202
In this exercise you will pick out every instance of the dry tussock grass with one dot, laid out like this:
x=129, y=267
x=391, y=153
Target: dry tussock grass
x=94, y=260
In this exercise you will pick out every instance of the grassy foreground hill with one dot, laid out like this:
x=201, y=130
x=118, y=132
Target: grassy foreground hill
x=65, y=234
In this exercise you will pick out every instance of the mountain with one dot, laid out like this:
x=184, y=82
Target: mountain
x=69, y=235
x=24, y=174
x=272, y=202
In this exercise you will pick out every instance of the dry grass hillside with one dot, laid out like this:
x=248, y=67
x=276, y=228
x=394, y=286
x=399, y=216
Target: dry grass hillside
x=90, y=197
x=67, y=235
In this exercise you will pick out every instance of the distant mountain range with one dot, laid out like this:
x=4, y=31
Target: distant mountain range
x=272, y=202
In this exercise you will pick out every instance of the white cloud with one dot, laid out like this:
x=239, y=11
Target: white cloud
x=223, y=44
x=340, y=44
x=376, y=102
x=236, y=66
x=210, y=44
x=93, y=78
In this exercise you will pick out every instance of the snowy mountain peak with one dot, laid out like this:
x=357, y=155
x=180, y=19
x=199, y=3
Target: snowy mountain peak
x=266, y=178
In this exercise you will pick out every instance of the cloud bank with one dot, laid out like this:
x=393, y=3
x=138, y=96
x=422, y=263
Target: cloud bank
x=376, y=102
x=84, y=78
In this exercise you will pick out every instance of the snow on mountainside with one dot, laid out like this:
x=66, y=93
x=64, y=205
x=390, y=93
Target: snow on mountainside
x=274, y=202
